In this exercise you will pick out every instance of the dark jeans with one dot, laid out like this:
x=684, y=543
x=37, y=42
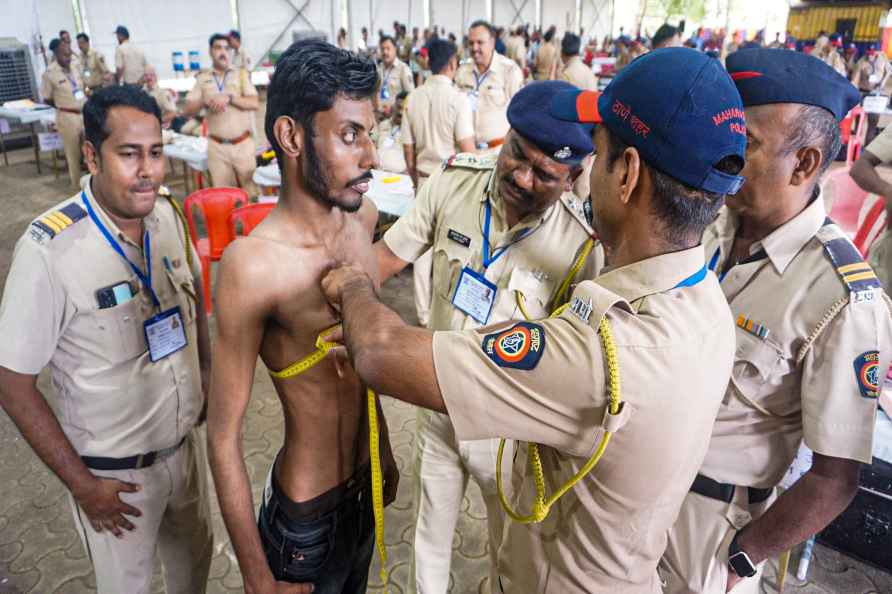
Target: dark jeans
x=327, y=541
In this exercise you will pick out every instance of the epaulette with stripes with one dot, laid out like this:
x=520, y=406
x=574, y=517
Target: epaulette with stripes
x=855, y=273
x=57, y=221
x=470, y=161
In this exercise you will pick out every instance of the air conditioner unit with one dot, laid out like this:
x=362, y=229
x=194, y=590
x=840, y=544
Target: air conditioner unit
x=17, y=80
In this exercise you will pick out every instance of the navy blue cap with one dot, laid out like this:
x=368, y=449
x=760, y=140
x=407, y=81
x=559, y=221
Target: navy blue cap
x=765, y=76
x=122, y=30
x=678, y=107
x=567, y=142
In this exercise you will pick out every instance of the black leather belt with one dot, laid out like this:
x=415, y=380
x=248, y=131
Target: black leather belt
x=131, y=462
x=703, y=485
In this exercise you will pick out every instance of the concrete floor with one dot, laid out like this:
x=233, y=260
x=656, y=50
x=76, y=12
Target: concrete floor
x=40, y=552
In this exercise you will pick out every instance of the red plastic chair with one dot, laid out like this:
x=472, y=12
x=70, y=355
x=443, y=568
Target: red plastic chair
x=847, y=199
x=249, y=216
x=872, y=225
x=215, y=205
x=853, y=132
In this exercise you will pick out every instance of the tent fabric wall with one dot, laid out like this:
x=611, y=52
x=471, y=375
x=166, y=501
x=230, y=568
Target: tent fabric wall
x=158, y=28
x=261, y=21
x=505, y=12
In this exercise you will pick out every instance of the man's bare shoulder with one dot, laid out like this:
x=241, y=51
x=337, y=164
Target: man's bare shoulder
x=368, y=214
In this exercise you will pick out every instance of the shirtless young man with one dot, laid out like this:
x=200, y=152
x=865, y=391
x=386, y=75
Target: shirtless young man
x=315, y=521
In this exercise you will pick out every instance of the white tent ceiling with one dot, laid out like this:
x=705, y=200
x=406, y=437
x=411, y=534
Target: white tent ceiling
x=161, y=27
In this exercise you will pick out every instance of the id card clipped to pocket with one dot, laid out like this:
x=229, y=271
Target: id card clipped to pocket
x=165, y=334
x=474, y=295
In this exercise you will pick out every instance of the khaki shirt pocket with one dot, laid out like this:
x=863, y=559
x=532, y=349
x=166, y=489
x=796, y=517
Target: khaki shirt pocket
x=184, y=292
x=493, y=95
x=758, y=363
x=536, y=292
x=116, y=333
x=449, y=259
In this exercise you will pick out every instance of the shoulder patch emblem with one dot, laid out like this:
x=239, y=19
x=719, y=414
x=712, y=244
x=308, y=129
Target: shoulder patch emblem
x=57, y=221
x=519, y=347
x=867, y=373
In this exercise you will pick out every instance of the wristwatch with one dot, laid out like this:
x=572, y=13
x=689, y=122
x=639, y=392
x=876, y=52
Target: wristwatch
x=739, y=561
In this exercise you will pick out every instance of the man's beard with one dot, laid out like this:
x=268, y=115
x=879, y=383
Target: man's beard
x=319, y=184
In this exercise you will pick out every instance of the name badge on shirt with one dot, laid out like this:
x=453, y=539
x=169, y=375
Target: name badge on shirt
x=165, y=334
x=79, y=95
x=474, y=295
x=472, y=99
x=385, y=92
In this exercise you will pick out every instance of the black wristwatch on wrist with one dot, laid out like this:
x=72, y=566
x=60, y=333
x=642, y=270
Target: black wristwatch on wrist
x=738, y=561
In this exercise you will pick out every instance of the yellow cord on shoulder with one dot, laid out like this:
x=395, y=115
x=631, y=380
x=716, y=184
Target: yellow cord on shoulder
x=323, y=347
x=541, y=504
x=561, y=295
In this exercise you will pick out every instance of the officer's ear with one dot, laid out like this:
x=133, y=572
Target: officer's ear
x=808, y=165
x=91, y=157
x=629, y=165
x=290, y=136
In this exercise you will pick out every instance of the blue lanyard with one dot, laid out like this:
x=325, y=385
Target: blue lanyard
x=693, y=279
x=496, y=254
x=220, y=83
x=714, y=261
x=145, y=278
x=479, y=80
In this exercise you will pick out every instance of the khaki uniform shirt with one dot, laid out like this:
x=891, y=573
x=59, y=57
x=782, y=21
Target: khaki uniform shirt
x=393, y=81
x=233, y=122
x=241, y=59
x=779, y=296
x=490, y=94
x=436, y=117
x=132, y=60
x=65, y=89
x=516, y=49
x=578, y=74
x=835, y=61
x=110, y=399
x=390, y=148
x=447, y=217
x=162, y=97
x=94, y=69
x=868, y=75
x=547, y=383
x=881, y=249
x=546, y=57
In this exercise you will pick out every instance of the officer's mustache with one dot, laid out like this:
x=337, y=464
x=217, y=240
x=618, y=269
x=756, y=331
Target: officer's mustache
x=521, y=193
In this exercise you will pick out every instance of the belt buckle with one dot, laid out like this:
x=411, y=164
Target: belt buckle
x=139, y=460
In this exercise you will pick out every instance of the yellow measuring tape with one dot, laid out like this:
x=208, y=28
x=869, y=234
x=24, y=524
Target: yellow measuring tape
x=541, y=504
x=323, y=347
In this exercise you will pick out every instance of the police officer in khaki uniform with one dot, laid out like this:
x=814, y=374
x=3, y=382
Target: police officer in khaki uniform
x=515, y=48
x=490, y=80
x=93, y=67
x=161, y=96
x=533, y=231
x=240, y=57
x=388, y=138
x=814, y=338
x=573, y=70
x=438, y=117
x=642, y=353
x=870, y=75
x=63, y=87
x=394, y=77
x=230, y=100
x=547, y=58
x=106, y=288
x=830, y=55
x=865, y=175
x=130, y=61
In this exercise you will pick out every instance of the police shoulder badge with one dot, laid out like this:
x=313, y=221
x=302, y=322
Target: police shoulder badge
x=867, y=373
x=518, y=347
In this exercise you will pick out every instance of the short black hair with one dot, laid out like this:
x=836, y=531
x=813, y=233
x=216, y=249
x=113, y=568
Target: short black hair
x=401, y=96
x=684, y=210
x=236, y=34
x=308, y=78
x=570, y=44
x=63, y=33
x=549, y=35
x=817, y=127
x=439, y=52
x=387, y=38
x=665, y=32
x=83, y=36
x=217, y=37
x=55, y=42
x=100, y=103
x=486, y=24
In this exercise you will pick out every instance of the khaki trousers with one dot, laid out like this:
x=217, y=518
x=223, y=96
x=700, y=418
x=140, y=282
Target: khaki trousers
x=696, y=558
x=442, y=468
x=233, y=165
x=71, y=128
x=175, y=519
